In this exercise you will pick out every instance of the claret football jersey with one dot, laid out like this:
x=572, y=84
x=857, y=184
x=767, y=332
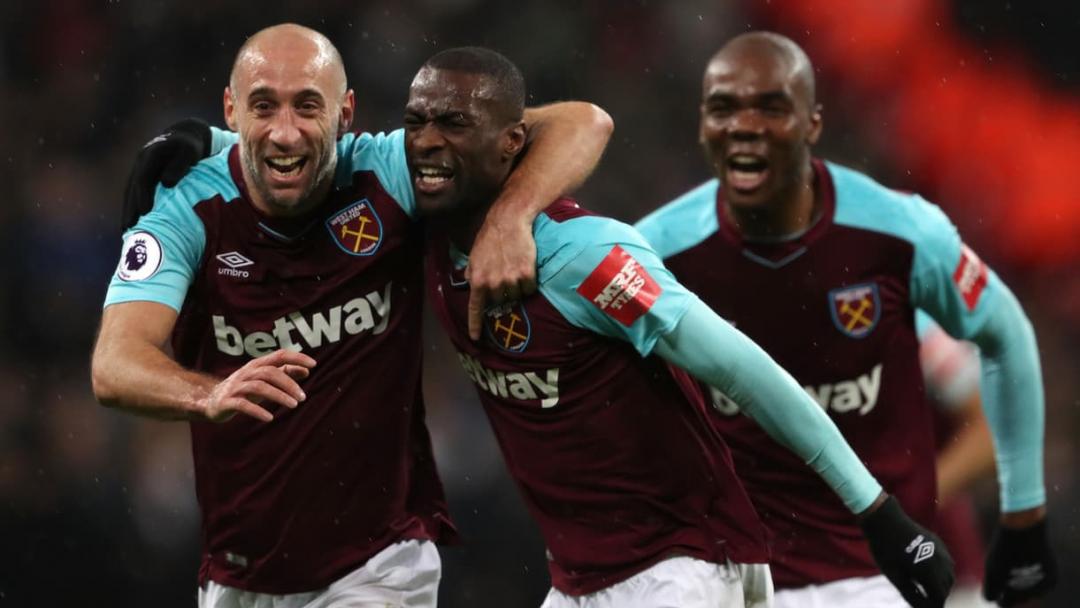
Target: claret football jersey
x=293, y=504
x=834, y=306
x=611, y=449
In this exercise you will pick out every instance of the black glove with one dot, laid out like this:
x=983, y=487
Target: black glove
x=914, y=560
x=166, y=159
x=1019, y=565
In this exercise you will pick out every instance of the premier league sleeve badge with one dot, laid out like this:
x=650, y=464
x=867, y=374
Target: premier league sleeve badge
x=141, y=257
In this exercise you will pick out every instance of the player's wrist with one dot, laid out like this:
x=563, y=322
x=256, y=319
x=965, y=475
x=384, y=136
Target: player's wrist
x=874, y=506
x=1025, y=519
x=511, y=214
x=200, y=404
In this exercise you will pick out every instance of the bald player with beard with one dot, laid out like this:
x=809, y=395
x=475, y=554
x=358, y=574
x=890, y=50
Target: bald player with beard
x=824, y=268
x=298, y=246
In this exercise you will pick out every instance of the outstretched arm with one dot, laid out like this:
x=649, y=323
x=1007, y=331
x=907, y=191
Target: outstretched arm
x=911, y=557
x=132, y=371
x=715, y=352
x=565, y=143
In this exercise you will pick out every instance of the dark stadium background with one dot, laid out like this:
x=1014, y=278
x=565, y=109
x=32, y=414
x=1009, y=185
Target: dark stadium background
x=975, y=104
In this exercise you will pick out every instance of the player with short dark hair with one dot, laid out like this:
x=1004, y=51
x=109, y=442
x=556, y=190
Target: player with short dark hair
x=298, y=245
x=633, y=489
x=824, y=268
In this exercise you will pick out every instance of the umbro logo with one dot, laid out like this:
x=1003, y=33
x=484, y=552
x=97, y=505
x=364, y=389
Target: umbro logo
x=923, y=549
x=158, y=139
x=1026, y=577
x=235, y=261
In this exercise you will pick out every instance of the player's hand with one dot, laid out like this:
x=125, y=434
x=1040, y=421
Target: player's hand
x=166, y=159
x=502, y=266
x=914, y=560
x=1020, y=565
x=269, y=379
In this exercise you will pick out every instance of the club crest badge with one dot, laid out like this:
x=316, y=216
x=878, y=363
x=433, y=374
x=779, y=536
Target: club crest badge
x=507, y=326
x=856, y=309
x=357, y=228
x=141, y=257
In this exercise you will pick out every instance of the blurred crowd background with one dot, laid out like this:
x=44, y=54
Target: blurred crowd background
x=974, y=104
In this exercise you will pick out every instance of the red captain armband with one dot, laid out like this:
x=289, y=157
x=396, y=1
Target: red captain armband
x=620, y=287
x=970, y=277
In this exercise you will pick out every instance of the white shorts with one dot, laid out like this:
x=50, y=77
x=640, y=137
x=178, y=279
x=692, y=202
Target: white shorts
x=865, y=592
x=403, y=575
x=680, y=582
x=968, y=596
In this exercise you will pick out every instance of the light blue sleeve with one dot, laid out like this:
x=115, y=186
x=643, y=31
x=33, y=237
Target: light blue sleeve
x=170, y=238
x=602, y=276
x=221, y=139
x=713, y=351
x=684, y=222
x=970, y=302
x=383, y=154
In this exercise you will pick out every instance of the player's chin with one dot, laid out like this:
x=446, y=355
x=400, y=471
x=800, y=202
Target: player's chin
x=435, y=204
x=746, y=197
x=435, y=196
x=287, y=198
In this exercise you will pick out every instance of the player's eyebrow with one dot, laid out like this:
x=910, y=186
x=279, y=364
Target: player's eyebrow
x=773, y=96
x=265, y=91
x=438, y=115
x=764, y=97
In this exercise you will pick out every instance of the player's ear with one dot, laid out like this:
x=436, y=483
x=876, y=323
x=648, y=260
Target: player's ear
x=348, y=109
x=815, y=125
x=514, y=141
x=230, y=109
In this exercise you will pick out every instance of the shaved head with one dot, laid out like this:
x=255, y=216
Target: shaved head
x=324, y=56
x=759, y=118
x=287, y=98
x=776, y=48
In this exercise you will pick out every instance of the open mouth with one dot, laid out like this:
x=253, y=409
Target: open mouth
x=432, y=179
x=286, y=167
x=746, y=172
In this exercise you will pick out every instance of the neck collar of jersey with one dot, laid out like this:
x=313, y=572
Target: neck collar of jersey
x=285, y=229
x=783, y=247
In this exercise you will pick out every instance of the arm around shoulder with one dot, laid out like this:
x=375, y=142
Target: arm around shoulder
x=566, y=140
x=564, y=143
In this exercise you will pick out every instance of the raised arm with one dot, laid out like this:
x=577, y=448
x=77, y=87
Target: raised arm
x=132, y=371
x=565, y=143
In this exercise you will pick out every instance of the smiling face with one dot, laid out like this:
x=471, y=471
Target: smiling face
x=287, y=99
x=459, y=139
x=758, y=121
